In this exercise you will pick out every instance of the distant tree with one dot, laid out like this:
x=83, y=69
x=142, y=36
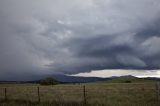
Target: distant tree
x=49, y=81
x=128, y=81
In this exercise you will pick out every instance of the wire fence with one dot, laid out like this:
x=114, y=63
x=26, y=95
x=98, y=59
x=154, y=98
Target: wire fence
x=82, y=93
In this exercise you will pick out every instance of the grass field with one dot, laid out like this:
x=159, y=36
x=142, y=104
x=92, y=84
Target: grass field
x=97, y=94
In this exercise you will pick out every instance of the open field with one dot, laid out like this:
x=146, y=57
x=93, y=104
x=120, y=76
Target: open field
x=96, y=94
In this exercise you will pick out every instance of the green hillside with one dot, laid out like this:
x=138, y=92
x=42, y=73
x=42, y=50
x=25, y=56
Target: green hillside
x=128, y=79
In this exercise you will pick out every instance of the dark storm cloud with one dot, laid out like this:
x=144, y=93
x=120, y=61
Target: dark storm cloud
x=71, y=36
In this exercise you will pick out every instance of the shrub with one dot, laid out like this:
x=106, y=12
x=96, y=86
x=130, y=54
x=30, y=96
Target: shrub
x=49, y=81
x=128, y=81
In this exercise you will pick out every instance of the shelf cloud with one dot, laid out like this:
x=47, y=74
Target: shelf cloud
x=40, y=37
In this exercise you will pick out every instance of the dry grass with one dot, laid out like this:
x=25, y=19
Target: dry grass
x=97, y=94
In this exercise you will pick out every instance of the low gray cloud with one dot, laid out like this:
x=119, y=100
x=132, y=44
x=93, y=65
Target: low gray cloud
x=71, y=36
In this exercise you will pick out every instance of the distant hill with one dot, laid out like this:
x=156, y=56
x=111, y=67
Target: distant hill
x=129, y=79
x=62, y=79
x=114, y=79
x=152, y=78
x=76, y=79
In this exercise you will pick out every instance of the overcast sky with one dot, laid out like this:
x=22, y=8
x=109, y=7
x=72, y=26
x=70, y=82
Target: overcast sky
x=41, y=37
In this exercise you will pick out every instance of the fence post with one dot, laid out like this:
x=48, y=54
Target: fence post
x=128, y=90
x=84, y=95
x=5, y=93
x=157, y=90
x=38, y=94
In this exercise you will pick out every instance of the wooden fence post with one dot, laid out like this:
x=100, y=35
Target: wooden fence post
x=5, y=93
x=157, y=90
x=84, y=95
x=38, y=94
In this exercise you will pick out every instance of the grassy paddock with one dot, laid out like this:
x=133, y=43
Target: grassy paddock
x=97, y=94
